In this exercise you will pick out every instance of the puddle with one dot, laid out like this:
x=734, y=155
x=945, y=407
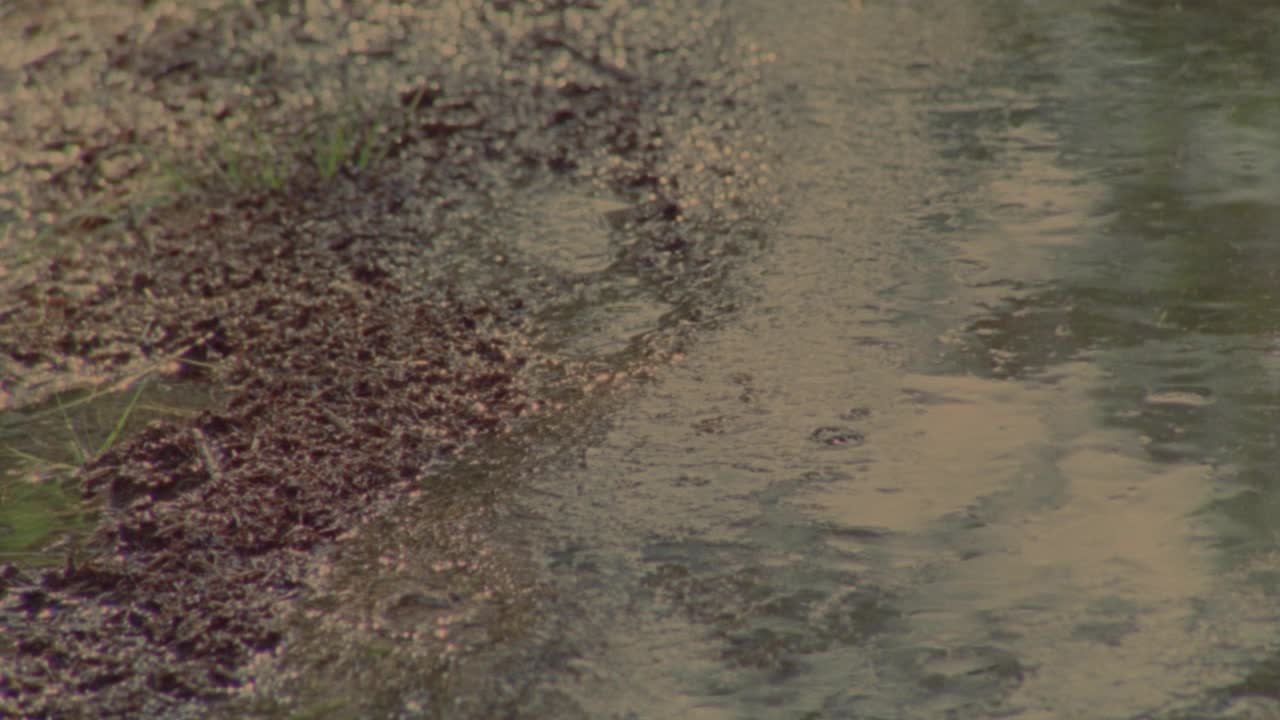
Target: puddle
x=601, y=322
x=570, y=232
x=41, y=447
x=967, y=450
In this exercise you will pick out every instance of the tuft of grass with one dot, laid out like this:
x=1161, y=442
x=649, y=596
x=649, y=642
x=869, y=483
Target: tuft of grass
x=74, y=427
x=349, y=140
x=80, y=449
x=252, y=159
x=347, y=143
x=41, y=507
x=34, y=519
x=43, y=466
x=251, y=162
x=118, y=428
x=333, y=147
x=269, y=159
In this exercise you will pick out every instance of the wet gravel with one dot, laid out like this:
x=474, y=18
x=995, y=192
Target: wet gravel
x=259, y=197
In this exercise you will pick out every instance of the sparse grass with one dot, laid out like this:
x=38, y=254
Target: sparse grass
x=357, y=139
x=249, y=162
x=261, y=155
x=42, y=451
x=269, y=159
x=116, y=429
x=348, y=141
x=334, y=146
x=34, y=518
x=39, y=501
x=75, y=427
x=38, y=466
x=78, y=445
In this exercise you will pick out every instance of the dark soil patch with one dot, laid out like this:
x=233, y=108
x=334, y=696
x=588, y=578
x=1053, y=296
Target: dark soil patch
x=342, y=386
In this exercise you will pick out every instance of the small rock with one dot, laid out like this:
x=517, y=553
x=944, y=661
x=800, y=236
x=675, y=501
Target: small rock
x=836, y=436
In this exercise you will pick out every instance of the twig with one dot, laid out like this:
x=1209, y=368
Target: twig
x=336, y=419
x=207, y=457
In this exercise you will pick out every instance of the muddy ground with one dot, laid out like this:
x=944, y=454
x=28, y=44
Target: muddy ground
x=270, y=200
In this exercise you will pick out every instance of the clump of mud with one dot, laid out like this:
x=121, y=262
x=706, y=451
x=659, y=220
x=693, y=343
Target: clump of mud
x=307, y=283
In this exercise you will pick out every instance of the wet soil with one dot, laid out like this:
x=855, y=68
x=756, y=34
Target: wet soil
x=319, y=296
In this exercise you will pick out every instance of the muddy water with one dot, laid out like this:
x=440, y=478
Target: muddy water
x=992, y=433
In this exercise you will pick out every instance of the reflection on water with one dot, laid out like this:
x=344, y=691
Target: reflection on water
x=1123, y=262
x=1031, y=269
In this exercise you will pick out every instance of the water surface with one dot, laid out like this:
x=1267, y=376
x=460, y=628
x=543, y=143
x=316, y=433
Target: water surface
x=993, y=433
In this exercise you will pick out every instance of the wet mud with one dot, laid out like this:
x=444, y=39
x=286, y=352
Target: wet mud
x=359, y=330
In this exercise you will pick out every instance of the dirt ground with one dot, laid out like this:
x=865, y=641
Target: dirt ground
x=252, y=196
